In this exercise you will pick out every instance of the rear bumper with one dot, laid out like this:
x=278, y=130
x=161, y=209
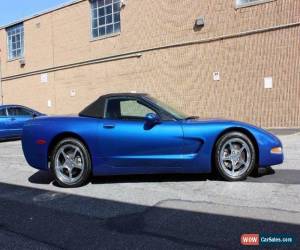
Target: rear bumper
x=35, y=155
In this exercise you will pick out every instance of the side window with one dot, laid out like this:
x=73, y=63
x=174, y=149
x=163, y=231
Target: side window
x=126, y=109
x=19, y=112
x=131, y=108
x=3, y=112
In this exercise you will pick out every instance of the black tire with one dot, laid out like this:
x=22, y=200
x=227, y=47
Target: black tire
x=217, y=154
x=86, y=168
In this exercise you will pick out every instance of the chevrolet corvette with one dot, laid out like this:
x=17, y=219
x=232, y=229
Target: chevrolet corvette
x=124, y=134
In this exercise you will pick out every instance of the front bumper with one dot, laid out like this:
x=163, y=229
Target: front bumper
x=269, y=152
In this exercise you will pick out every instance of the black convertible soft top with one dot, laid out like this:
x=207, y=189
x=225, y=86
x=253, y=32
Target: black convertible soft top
x=97, y=108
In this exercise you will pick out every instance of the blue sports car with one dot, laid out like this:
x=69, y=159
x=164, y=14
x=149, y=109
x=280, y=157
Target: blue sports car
x=121, y=134
x=12, y=120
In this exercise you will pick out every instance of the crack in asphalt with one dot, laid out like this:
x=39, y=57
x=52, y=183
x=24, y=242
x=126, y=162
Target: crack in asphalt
x=228, y=205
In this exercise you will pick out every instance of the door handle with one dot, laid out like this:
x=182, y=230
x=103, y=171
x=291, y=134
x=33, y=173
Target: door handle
x=13, y=119
x=109, y=126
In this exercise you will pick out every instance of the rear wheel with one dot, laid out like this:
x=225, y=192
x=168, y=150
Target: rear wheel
x=70, y=163
x=235, y=156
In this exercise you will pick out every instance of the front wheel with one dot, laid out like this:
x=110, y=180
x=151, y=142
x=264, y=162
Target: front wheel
x=70, y=163
x=235, y=156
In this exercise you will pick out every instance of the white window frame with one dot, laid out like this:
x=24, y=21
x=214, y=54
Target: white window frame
x=256, y=2
x=106, y=35
x=18, y=29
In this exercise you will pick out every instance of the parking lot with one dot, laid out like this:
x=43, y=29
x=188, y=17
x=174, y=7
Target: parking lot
x=146, y=212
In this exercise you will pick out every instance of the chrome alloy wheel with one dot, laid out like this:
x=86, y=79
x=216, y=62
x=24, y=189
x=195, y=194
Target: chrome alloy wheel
x=235, y=157
x=69, y=164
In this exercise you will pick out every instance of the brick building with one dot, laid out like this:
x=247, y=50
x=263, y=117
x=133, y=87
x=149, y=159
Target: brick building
x=243, y=63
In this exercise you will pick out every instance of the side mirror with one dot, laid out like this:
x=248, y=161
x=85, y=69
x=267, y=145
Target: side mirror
x=152, y=119
x=34, y=115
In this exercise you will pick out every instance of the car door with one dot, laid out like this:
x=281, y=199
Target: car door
x=4, y=120
x=18, y=116
x=126, y=142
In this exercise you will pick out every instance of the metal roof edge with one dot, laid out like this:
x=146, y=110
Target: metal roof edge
x=41, y=13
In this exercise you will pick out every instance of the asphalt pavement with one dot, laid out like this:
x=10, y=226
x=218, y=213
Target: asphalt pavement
x=146, y=212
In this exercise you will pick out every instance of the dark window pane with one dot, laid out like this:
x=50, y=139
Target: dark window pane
x=2, y=112
x=113, y=109
x=102, y=21
x=101, y=12
x=109, y=19
x=95, y=23
x=117, y=17
x=12, y=111
x=18, y=112
x=109, y=29
x=23, y=112
x=100, y=3
x=108, y=10
x=94, y=4
x=95, y=13
x=95, y=32
x=18, y=53
x=116, y=7
x=117, y=27
x=102, y=31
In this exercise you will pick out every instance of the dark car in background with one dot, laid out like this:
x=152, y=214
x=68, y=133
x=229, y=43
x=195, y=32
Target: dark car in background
x=12, y=120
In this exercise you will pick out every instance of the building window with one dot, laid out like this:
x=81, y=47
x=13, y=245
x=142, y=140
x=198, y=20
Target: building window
x=243, y=3
x=105, y=17
x=15, y=41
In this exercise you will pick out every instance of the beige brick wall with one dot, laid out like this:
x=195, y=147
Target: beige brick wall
x=181, y=75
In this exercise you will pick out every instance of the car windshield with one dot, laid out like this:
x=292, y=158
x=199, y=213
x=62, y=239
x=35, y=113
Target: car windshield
x=169, y=109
